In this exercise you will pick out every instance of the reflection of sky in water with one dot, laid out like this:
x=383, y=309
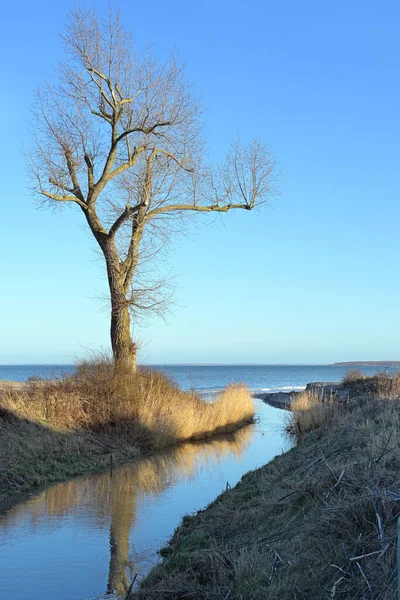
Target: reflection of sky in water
x=57, y=544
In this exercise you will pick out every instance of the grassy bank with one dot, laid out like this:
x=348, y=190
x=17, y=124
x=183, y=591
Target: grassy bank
x=318, y=522
x=53, y=430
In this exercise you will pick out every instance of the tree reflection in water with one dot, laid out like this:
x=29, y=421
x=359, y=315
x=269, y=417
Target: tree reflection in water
x=112, y=496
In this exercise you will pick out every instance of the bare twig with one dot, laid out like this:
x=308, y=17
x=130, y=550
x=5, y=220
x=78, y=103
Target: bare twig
x=128, y=593
x=356, y=558
x=364, y=576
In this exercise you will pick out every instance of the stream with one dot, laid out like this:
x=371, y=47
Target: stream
x=89, y=536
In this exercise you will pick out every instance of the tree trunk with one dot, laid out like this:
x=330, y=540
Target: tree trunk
x=124, y=349
x=123, y=512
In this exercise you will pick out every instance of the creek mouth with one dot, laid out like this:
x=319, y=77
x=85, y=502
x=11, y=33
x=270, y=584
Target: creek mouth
x=88, y=537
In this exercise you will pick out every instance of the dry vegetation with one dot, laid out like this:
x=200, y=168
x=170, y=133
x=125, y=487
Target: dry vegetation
x=51, y=430
x=318, y=522
x=309, y=410
x=352, y=376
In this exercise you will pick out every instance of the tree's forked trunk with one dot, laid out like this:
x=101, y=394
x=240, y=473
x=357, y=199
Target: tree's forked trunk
x=124, y=349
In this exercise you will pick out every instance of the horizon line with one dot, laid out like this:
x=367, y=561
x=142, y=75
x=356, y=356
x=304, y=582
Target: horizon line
x=223, y=364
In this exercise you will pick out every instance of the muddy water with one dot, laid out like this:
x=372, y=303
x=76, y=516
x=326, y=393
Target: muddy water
x=89, y=536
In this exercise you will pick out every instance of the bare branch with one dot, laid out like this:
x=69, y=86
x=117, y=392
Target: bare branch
x=141, y=129
x=59, y=198
x=127, y=165
x=127, y=214
x=194, y=207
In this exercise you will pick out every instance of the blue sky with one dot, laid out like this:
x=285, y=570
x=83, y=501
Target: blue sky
x=314, y=279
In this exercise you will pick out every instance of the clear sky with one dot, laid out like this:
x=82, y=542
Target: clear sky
x=313, y=279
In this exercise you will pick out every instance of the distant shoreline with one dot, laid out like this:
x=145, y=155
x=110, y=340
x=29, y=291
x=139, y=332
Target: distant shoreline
x=46, y=365
x=368, y=363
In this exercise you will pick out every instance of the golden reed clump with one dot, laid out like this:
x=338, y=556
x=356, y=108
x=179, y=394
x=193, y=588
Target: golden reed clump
x=309, y=410
x=145, y=405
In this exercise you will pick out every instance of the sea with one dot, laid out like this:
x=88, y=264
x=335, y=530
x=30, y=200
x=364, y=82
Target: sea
x=210, y=379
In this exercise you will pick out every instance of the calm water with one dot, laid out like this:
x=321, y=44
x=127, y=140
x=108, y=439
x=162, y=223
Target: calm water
x=209, y=379
x=85, y=537
x=90, y=535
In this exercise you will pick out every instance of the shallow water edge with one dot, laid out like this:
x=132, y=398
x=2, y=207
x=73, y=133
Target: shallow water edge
x=90, y=535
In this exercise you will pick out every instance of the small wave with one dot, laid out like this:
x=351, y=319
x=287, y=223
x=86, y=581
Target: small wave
x=205, y=391
x=283, y=388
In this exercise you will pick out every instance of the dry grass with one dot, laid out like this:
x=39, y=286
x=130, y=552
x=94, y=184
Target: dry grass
x=100, y=411
x=306, y=399
x=386, y=385
x=310, y=410
x=382, y=385
x=352, y=376
x=145, y=404
x=317, y=522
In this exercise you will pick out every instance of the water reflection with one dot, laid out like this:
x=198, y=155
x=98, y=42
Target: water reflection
x=110, y=500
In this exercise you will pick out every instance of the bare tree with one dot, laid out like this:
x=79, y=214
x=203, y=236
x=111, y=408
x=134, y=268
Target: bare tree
x=120, y=135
